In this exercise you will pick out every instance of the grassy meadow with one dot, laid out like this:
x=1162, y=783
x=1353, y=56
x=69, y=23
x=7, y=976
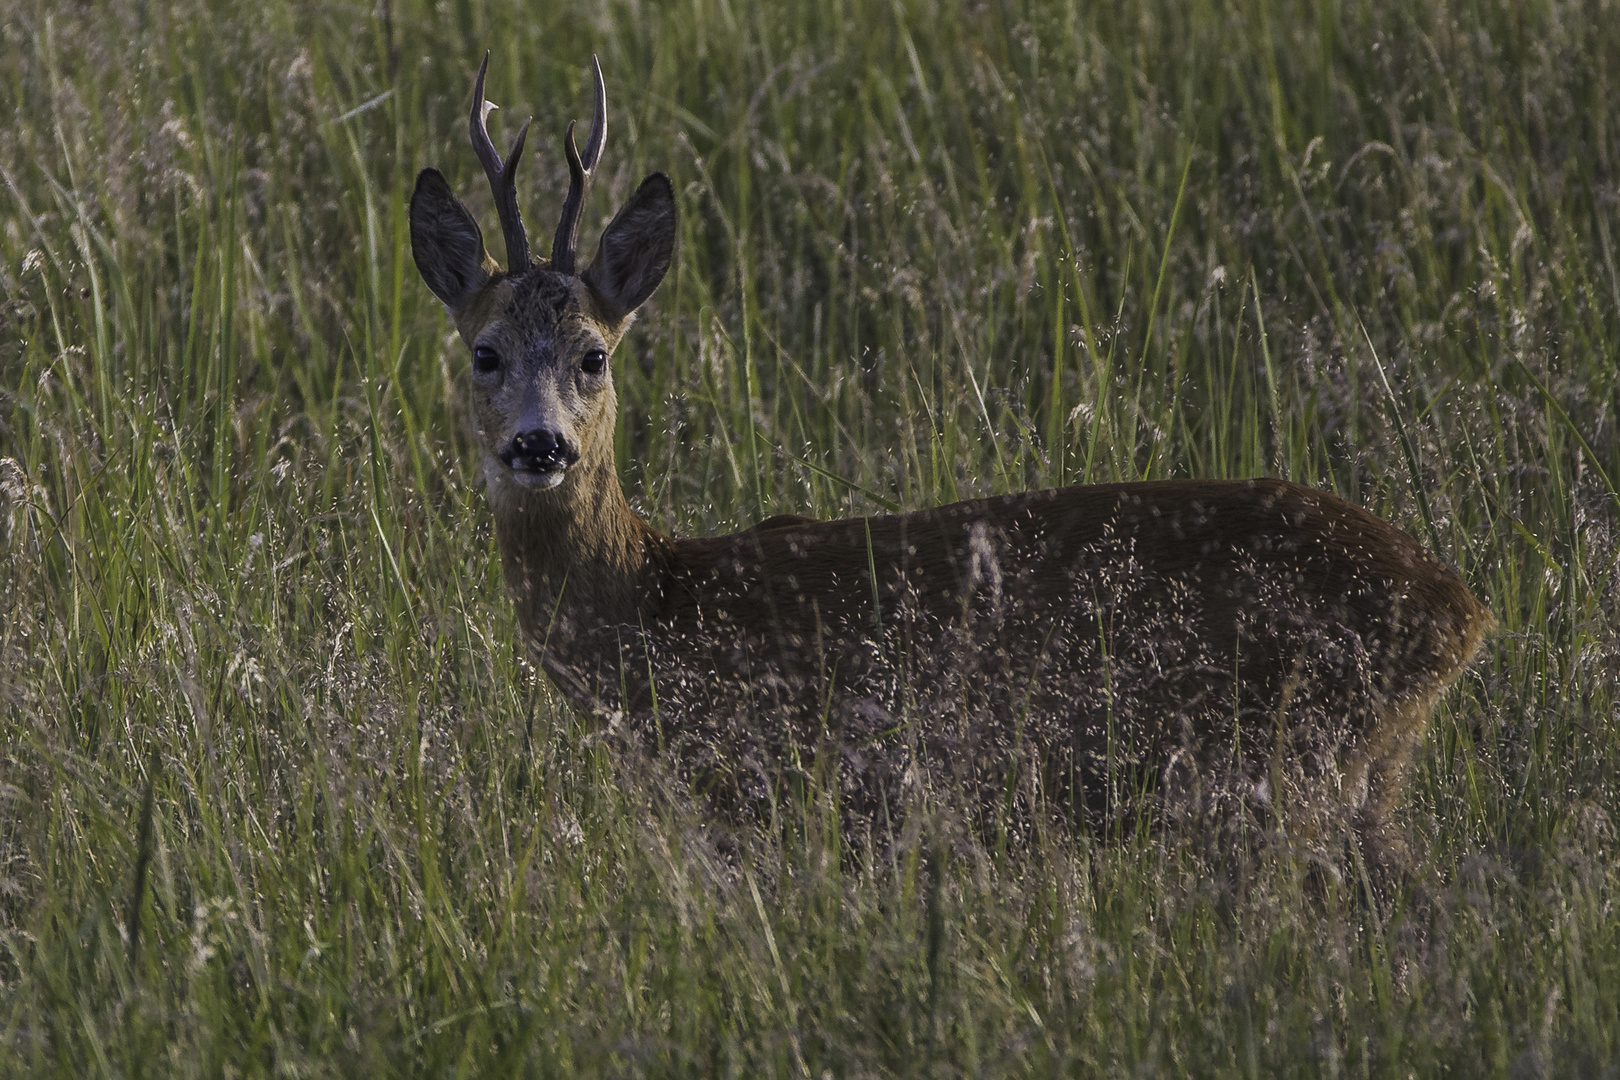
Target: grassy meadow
x=279, y=792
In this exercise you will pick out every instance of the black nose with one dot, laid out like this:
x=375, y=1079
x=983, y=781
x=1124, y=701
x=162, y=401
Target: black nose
x=539, y=450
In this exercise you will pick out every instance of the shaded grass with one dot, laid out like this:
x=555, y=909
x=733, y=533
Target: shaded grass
x=928, y=251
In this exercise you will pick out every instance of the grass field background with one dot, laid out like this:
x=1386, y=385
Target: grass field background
x=261, y=692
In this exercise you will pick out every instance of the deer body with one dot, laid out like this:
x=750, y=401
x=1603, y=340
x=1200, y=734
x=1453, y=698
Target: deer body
x=1173, y=615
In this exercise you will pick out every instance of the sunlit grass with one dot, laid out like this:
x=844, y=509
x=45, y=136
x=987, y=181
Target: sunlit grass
x=928, y=251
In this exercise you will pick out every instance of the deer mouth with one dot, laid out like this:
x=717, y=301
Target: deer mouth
x=540, y=475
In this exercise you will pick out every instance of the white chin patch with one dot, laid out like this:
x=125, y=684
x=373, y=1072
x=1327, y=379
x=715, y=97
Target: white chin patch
x=540, y=480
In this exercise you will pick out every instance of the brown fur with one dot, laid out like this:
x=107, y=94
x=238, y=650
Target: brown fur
x=781, y=617
x=1047, y=636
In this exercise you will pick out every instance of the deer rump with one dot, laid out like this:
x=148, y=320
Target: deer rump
x=1060, y=649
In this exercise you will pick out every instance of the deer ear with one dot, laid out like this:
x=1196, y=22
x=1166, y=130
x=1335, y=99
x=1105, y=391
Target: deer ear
x=636, y=249
x=446, y=242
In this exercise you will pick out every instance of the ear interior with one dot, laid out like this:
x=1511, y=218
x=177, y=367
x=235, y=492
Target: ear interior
x=445, y=241
x=636, y=249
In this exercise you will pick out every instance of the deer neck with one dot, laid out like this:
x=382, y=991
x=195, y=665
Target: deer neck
x=576, y=557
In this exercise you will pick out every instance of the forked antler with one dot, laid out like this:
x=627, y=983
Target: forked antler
x=579, y=179
x=500, y=175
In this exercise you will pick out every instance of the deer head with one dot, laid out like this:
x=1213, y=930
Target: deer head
x=540, y=334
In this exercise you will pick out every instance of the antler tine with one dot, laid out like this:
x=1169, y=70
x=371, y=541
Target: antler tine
x=501, y=175
x=579, y=178
x=593, y=145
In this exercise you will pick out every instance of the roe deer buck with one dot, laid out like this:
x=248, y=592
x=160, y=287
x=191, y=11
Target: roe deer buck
x=1037, y=641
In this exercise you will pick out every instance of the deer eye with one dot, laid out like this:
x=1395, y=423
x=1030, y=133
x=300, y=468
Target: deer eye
x=593, y=361
x=486, y=359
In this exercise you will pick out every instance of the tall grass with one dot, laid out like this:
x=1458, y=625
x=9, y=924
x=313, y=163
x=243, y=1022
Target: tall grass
x=279, y=793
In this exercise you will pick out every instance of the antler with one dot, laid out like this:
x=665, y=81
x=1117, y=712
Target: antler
x=579, y=179
x=501, y=174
